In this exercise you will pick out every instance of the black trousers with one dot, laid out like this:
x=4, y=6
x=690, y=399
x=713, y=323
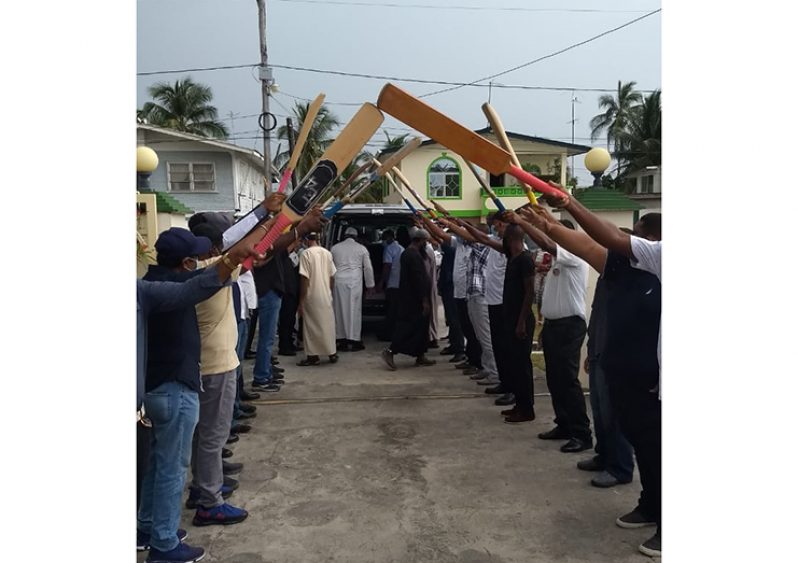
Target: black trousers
x=473, y=350
x=562, y=347
x=640, y=416
x=391, y=311
x=253, y=324
x=456, y=339
x=519, y=364
x=499, y=342
x=286, y=322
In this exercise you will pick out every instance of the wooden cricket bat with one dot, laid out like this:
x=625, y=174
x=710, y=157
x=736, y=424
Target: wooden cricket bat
x=310, y=117
x=501, y=134
x=406, y=182
x=486, y=187
x=340, y=153
x=399, y=191
x=422, y=117
x=381, y=168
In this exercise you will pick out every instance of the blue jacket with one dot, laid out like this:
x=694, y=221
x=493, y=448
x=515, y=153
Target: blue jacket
x=168, y=342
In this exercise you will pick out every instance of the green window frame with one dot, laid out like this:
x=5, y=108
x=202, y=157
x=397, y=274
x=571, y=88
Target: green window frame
x=445, y=182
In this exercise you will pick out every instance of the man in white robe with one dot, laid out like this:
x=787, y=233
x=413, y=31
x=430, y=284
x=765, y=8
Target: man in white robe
x=317, y=276
x=352, y=265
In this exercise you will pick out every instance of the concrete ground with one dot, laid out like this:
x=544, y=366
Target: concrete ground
x=352, y=462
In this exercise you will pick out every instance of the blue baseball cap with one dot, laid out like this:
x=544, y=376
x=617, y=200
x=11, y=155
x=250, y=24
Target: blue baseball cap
x=181, y=243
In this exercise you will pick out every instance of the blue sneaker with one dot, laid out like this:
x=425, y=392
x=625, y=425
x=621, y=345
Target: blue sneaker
x=224, y=514
x=194, y=494
x=143, y=540
x=183, y=553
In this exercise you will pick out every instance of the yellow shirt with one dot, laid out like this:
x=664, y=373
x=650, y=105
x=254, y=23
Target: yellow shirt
x=218, y=329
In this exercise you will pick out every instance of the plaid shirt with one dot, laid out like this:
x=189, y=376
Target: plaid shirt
x=475, y=280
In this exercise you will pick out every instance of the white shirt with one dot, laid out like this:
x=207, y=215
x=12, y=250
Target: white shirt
x=462, y=252
x=566, y=286
x=249, y=296
x=494, y=276
x=352, y=261
x=648, y=257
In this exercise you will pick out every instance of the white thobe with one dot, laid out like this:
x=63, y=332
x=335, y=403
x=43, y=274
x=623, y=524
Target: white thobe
x=317, y=266
x=352, y=265
x=432, y=270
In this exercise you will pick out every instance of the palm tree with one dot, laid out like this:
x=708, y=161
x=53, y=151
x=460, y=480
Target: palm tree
x=617, y=113
x=376, y=193
x=319, y=138
x=184, y=106
x=641, y=141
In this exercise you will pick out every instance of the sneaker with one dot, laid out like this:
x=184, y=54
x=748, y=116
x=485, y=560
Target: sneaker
x=605, y=480
x=223, y=514
x=387, y=357
x=183, y=553
x=652, y=546
x=634, y=519
x=194, y=494
x=267, y=387
x=230, y=467
x=592, y=464
x=143, y=540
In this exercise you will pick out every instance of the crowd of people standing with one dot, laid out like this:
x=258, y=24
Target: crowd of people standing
x=494, y=291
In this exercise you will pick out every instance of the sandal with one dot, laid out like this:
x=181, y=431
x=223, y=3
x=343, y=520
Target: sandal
x=309, y=362
x=333, y=358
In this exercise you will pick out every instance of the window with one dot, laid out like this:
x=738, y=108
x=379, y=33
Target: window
x=191, y=176
x=443, y=179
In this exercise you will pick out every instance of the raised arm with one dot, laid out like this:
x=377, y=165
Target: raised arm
x=435, y=230
x=482, y=237
x=572, y=241
x=457, y=229
x=603, y=232
x=535, y=234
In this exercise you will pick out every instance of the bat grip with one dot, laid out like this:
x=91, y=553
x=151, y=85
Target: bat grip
x=410, y=206
x=284, y=180
x=333, y=209
x=267, y=241
x=499, y=205
x=534, y=182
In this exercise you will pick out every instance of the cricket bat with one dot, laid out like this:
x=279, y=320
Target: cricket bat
x=501, y=134
x=340, y=153
x=487, y=188
x=406, y=182
x=399, y=191
x=381, y=168
x=307, y=124
x=410, y=110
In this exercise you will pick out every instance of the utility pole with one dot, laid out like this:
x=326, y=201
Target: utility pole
x=574, y=101
x=266, y=82
x=490, y=89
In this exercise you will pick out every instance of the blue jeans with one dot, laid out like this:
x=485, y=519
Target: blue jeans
x=268, y=315
x=613, y=449
x=173, y=409
x=241, y=348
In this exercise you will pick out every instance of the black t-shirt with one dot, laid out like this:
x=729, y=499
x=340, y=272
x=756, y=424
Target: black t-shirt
x=633, y=313
x=271, y=276
x=518, y=269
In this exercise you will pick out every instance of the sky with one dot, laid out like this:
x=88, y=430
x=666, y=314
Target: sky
x=401, y=39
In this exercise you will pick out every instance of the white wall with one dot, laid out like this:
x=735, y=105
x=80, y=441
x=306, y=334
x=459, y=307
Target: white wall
x=249, y=184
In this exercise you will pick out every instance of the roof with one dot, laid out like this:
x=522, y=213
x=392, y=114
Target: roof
x=165, y=203
x=600, y=199
x=572, y=149
x=253, y=155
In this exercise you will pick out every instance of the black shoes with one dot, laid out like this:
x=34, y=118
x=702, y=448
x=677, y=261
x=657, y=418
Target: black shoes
x=459, y=357
x=286, y=352
x=517, y=416
x=592, y=464
x=232, y=439
x=356, y=346
x=463, y=365
x=387, y=357
x=230, y=467
x=635, y=519
x=230, y=482
x=504, y=400
x=240, y=429
x=424, y=361
x=497, y=390
x=245, y=415
x=576, y=445
x=247, y=396
x=250, y=355
x=244, y=407
x=432, y=344
x=268, y=387
x=226, y=453
x=557, y=433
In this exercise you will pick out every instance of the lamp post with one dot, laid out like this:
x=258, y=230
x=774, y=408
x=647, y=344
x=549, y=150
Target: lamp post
x=597, y=160
x=146, y=163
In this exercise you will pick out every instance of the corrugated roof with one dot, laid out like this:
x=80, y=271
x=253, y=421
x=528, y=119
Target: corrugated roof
x=597, y=199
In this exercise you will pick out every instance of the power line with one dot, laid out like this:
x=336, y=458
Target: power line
x=202, y=69
x=469, y=8
x=550, y=55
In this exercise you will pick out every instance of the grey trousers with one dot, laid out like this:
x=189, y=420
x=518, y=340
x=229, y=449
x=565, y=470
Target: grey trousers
x=480, y=319
x=215, y=418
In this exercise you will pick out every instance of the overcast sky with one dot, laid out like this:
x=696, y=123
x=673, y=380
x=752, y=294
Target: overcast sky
x=447, y=44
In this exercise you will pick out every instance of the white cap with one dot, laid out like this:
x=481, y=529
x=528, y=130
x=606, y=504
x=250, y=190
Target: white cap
x=350, y=231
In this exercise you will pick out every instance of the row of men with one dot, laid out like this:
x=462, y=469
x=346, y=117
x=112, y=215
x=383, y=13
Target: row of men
x=489, y=313
x=193, y=317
